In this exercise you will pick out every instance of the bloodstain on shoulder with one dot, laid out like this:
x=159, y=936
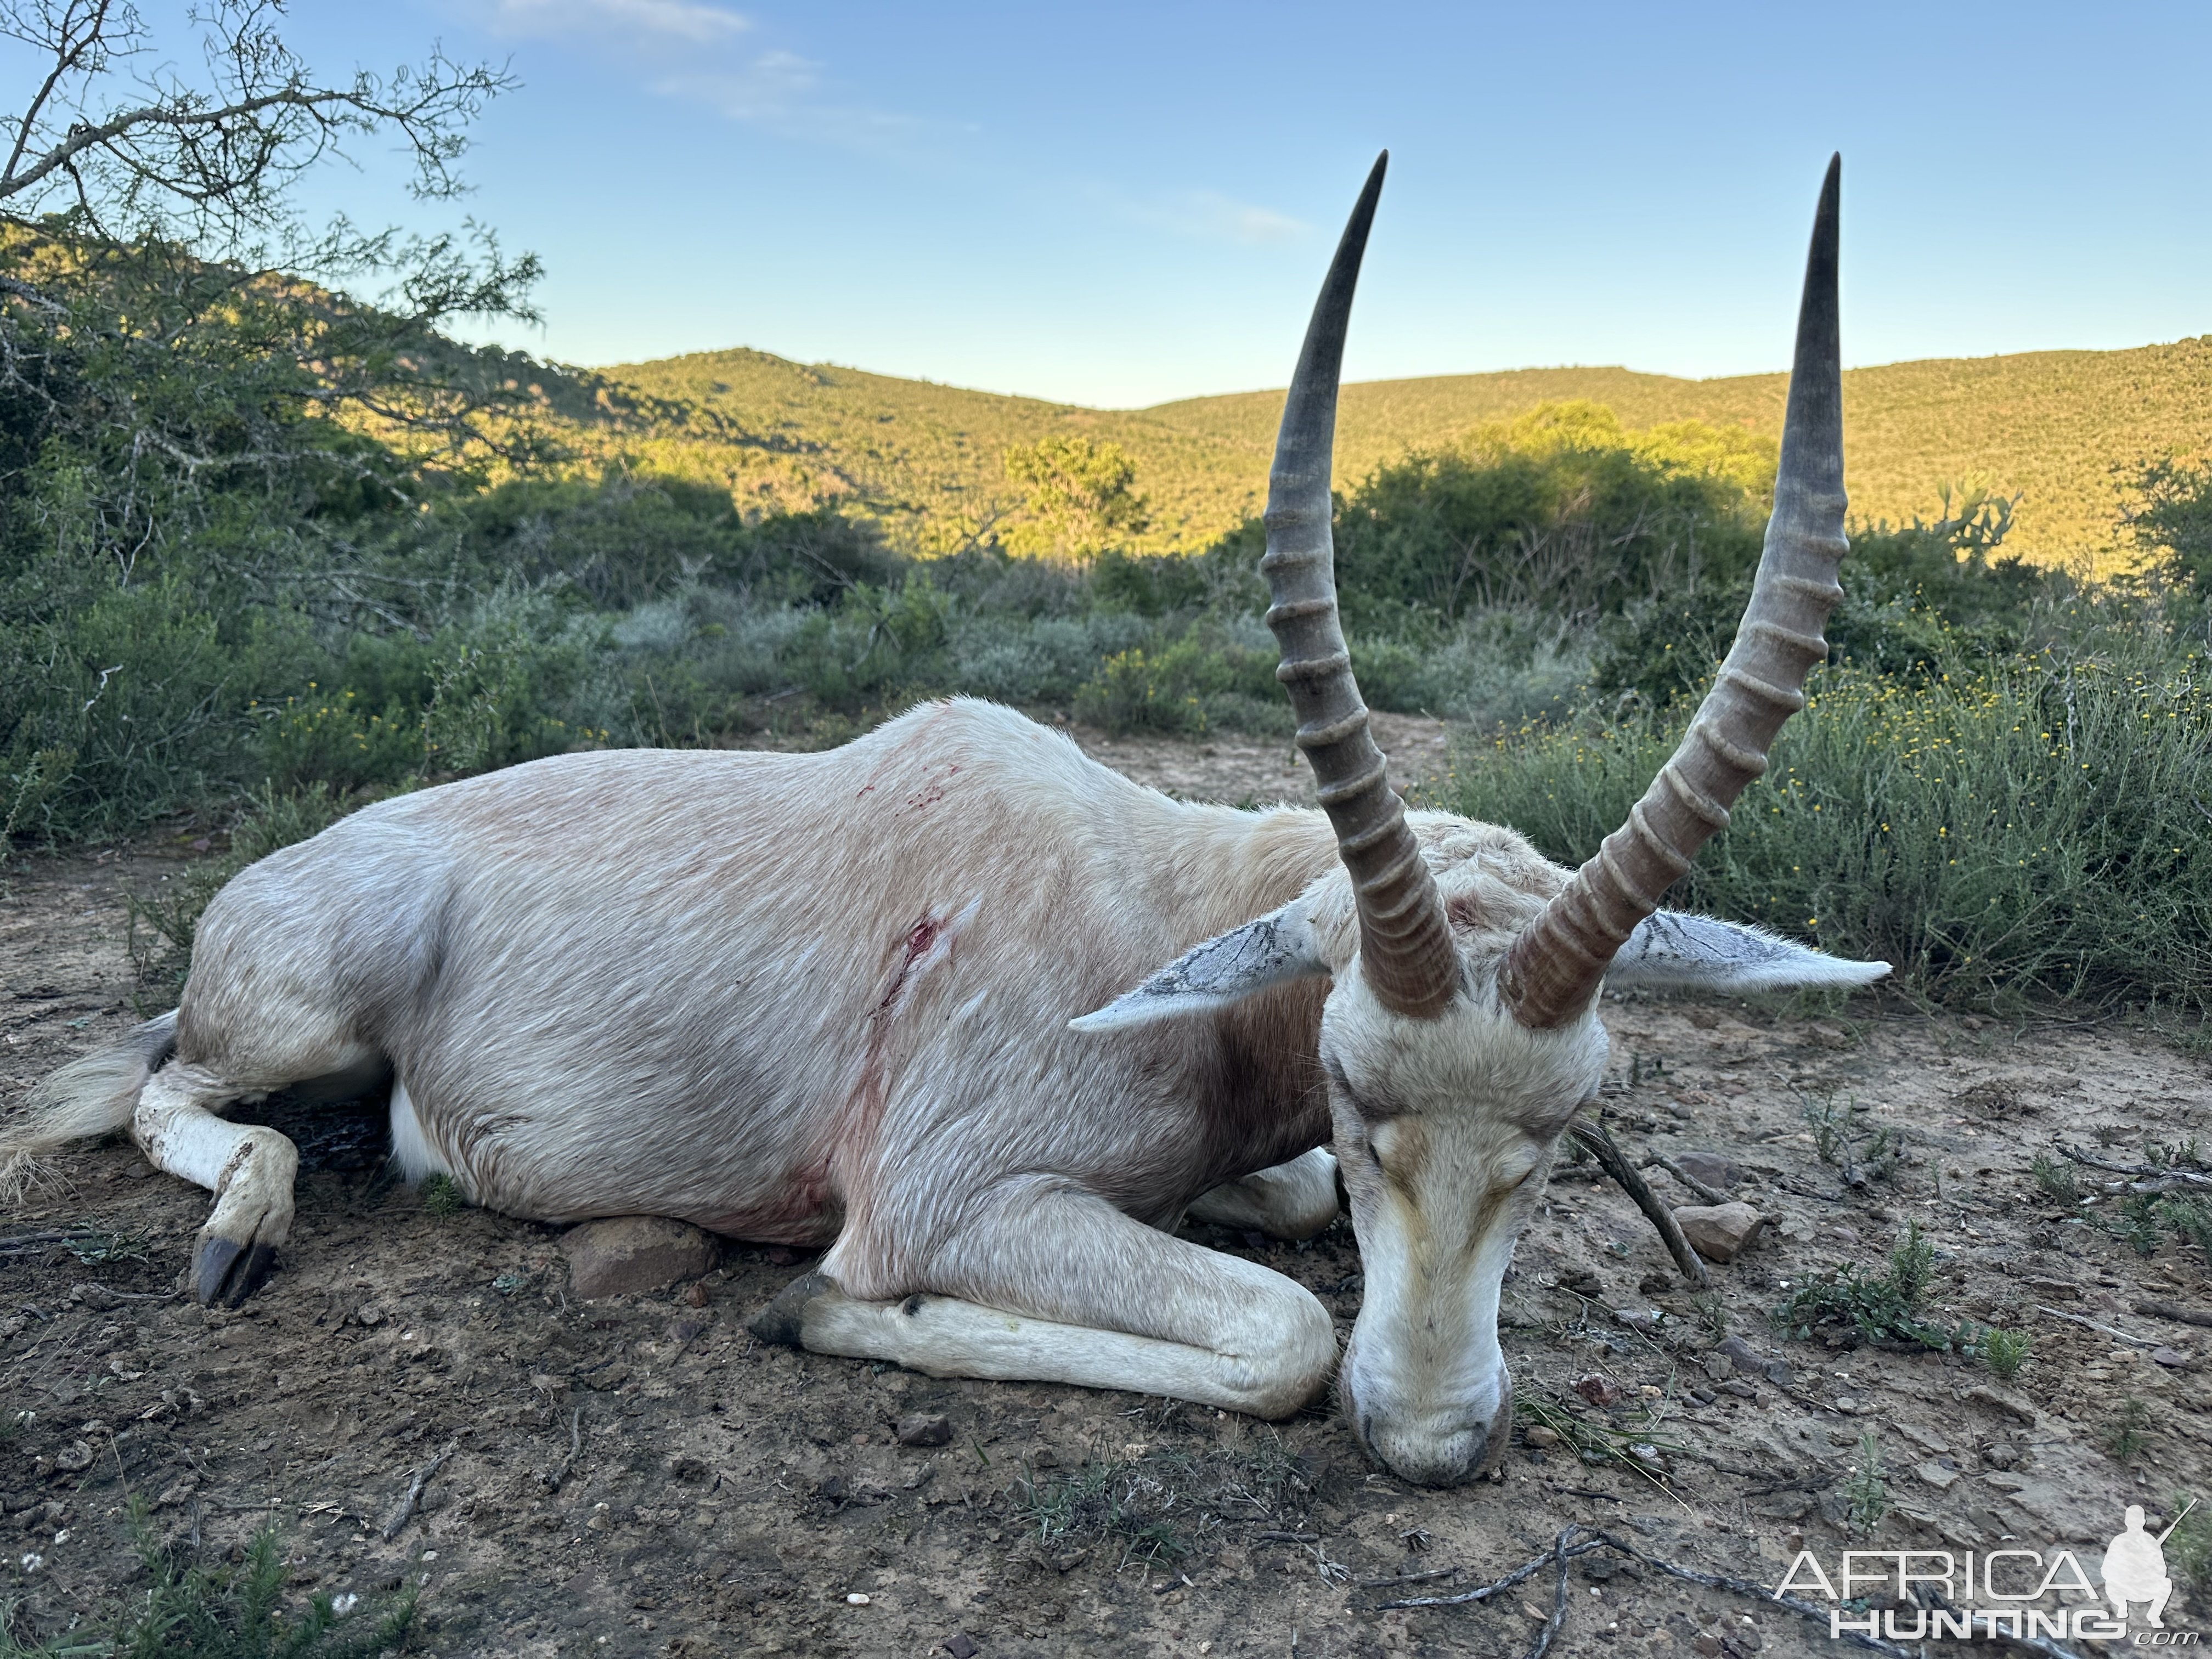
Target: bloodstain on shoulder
x=933, y=789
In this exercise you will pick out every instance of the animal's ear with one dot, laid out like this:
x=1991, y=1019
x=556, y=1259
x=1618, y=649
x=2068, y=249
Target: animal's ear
x=1671, y=949
x=1223, y=970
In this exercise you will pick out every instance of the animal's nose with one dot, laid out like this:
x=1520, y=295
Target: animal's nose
x=1448, y=1461
x=1437, y=1447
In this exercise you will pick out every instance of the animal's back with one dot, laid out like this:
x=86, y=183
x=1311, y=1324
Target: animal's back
x=669, y=980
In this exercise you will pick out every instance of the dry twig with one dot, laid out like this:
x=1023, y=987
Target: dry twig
x=2114, y=1331
x=2142, y=1177
x=1710, y=1194
x=1591, y=1136
x=404, y=1509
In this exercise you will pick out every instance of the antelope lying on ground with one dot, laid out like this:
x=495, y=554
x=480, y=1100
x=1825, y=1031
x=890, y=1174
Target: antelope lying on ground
x=879, y=999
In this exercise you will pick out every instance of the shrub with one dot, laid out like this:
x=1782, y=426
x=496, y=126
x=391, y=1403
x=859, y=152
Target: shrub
x=1561, y=509
x=1134, y=692
x=1997, y=831
x=334, y=741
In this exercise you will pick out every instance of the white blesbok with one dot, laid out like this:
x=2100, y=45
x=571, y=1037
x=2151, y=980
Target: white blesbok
x=847, y=1000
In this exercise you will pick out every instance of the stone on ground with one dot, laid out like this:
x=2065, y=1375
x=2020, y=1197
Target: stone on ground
x=629, y=1254
x=1719, y=1232
x=1715, y=1171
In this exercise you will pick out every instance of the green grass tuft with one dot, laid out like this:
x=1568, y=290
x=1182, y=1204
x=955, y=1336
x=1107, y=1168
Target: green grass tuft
x=442, y=1197
x=1866, y=1492
x=2056, y=1178
x=221, y=1612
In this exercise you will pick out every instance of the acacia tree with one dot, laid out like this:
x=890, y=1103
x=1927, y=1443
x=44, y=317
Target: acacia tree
x=1082, y=498
x=167, y=305
x=216, y=418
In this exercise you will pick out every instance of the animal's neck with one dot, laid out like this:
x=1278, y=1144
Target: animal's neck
x=1267, y=1103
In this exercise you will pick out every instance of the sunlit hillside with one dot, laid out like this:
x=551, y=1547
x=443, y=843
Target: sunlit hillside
x=2063, y=428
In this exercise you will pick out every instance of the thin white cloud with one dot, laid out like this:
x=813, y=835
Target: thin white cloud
x=1220, y=218
x=780, y=92
x=1207, y=216
x=691, y=20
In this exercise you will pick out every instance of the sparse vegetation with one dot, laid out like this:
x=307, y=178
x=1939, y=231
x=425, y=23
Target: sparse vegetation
x=2005, y=1351
x=1849, y=1304
x=2127, y=1432
x=2189, y=1547
x=1156, y=1504
x=1865, y=1492
x=442, y=1197
x=2056, y=1178
x=195, y=1611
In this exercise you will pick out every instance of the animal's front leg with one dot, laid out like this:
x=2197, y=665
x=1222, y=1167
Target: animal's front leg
x=1295, y=1199
x=1064, y=1288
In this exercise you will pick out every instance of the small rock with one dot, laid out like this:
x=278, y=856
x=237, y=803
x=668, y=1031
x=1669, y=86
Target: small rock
x=1582, y=1282
x=1847, y=1405
x=1717, y=1367
x=368, y=1316
x=2002, y=1400
x=1702, y=1396
x=1648, y=1455
x=1598, y=1389
x=1740, y=1389
x=631, y=1254
x=857, y=1599
x=1541, y=1437
x=961, y=1645
x=2174, y=1357
x=1655, y=1283
x=1719, y=1232
x=1742, y=1356
x=1936, y=1475
x=1932, y=1440
x=2000, y=1454
x=2058, y=1289
x=924, y=1429
x=75, y=1458
x=1712, y=1169
x=1784, y=1506
x=176, y=1494
x=697, y=1295
x=1708, y=1645
x=834, y=1488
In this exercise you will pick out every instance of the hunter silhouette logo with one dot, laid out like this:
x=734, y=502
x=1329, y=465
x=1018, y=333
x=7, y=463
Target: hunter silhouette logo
x=2134, y=1567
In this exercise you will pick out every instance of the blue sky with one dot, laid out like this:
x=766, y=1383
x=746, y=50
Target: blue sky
x=1121, y=204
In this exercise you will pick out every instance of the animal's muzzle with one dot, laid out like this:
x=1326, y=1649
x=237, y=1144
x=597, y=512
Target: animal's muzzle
x=1436, y=1448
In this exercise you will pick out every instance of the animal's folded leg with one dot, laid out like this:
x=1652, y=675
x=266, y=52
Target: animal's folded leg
x=1071, y=1291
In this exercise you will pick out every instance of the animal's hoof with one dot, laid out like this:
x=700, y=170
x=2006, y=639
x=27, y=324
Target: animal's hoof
x=225, y=1274
x=781, y=1320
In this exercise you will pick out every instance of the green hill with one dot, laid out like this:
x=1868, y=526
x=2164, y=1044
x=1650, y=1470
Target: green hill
x=2063, y=428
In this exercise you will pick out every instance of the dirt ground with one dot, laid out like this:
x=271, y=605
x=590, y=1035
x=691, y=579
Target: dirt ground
x=640, y=1477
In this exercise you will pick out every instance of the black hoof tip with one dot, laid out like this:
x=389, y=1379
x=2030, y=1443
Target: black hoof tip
x=225, y=1274
x=781, y=1320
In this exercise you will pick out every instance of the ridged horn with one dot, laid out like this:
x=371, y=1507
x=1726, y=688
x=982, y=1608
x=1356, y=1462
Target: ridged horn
x=1552, y=969
x=1405, y=944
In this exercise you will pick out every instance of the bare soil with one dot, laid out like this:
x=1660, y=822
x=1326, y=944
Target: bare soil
x=638, y=1476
